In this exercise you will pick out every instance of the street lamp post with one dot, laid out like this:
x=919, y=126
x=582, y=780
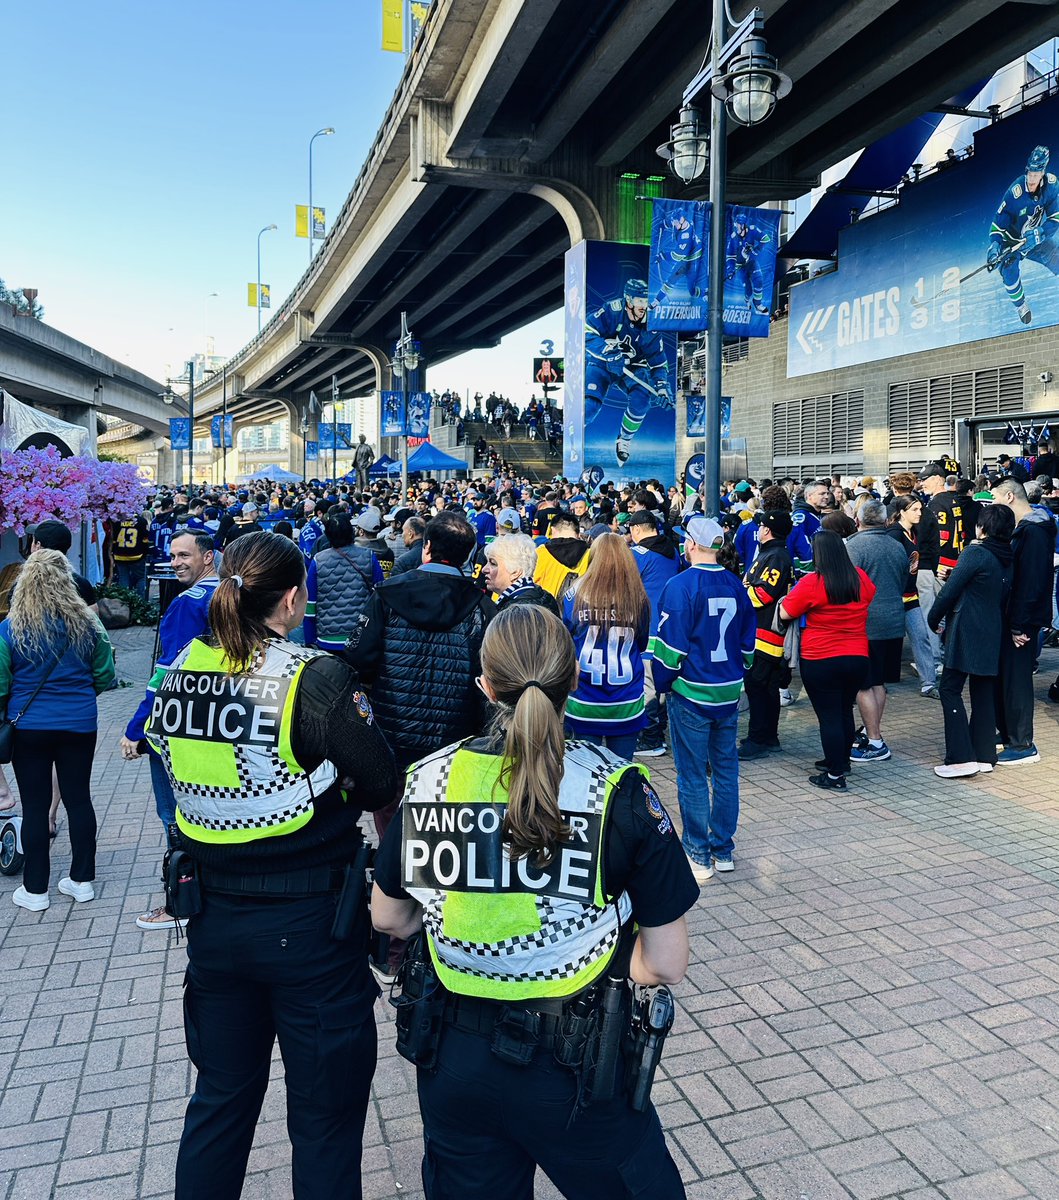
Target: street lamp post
x=206, y=328
x=266, y=229
x=325, y=132
x=191, y=427
x=743, y=83
x=405, y=362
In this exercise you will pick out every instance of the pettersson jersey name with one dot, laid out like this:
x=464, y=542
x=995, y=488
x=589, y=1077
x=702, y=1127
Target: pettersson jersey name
x=460, y=848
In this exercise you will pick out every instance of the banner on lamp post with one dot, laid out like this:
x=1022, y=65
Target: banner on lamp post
x=319, y=223
x=393, y=414
x=312, y=451
x=301, y=220
x=180, y=433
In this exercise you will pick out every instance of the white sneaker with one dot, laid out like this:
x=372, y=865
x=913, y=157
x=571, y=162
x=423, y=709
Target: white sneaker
x=158, y=918
x=79, y=891
x=34, y=901
x=985, y=768
x=957, y=770
x=786, y=698
x=723, y=864
x=702, y=873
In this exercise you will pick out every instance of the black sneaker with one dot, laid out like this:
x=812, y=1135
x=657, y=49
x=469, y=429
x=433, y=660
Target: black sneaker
x=828, y=782
x=1053, y=692
x=821, y=765
x=860, y=739
x=751, y=749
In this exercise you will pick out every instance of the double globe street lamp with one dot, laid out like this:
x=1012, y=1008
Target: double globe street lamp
x=405, y=362
x=743, y=82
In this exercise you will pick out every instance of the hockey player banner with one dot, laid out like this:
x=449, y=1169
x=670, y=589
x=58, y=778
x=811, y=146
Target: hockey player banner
x=619, y=410
x=417, y=416
x=970, y=252
x=392, y=414
x=694, y=474
x=179, y=433
x=312, y=451
x=216, y=430
x=680, y=267
x=696, y=426
x=750, y=244
x=343, y=431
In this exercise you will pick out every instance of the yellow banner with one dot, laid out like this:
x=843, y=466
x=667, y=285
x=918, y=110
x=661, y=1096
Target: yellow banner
x=251, y=295
x=393, y=25
x=301, y=220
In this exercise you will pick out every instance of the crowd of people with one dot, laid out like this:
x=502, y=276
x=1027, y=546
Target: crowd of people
x=498, y=640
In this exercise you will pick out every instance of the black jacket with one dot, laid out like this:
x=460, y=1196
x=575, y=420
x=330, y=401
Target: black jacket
x=971, y=602
x=418, y=648
x=1033, y=544
x=408, y=560
x=528, y=593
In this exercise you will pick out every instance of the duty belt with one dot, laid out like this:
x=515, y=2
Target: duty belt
x=308, y=881
x=472, y=1014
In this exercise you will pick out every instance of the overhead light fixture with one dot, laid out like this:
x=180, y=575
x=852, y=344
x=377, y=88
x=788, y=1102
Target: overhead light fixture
x=752, y=84
x=687, y=151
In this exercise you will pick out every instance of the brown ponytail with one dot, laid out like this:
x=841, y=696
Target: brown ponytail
x=528, y=658
x=257, y=570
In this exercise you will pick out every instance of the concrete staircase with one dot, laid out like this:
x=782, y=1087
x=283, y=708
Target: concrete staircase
x=530, y=458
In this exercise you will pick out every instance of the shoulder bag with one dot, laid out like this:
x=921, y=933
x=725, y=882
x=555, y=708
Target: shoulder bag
x=7, y=725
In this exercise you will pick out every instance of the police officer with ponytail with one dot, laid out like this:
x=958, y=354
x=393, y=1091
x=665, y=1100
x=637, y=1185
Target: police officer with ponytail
x=527, y=861
x=273, y=753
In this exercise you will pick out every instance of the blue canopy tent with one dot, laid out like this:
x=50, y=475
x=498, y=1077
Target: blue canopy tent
x=384, y=466
x=274, y=472
x=430, y=458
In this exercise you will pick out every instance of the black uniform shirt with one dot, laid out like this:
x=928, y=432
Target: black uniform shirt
x=641, y=853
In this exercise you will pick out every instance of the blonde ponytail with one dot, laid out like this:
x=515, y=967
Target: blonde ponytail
x=528, y=658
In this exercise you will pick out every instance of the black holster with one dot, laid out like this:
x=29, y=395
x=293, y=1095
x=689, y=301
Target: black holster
x=652, y=1019
x=180, y=878
x=420, y=1006
x=352, y=906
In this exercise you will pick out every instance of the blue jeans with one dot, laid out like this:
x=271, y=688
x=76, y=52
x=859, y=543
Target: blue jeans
x=916, y=631
x=622, y=744
x=164, y=800
x=133, y=575
x=699, y=739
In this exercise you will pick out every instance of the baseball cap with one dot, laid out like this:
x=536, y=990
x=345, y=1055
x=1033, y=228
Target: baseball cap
x=742, y=488
x=510, y=518
x=400, y=515
x=575, y=499
x=775, y=519
x=930, y=471
x=705, y=532
x=598, y=531
x=643, y=517
x=369, y=520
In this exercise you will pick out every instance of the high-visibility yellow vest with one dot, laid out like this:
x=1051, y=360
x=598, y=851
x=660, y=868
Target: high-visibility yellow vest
x=225, y=741
x=507, y=930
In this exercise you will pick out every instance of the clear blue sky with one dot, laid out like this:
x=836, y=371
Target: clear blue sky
x=144, y=146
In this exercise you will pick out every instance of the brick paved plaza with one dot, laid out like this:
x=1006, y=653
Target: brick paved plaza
x=872, y=1008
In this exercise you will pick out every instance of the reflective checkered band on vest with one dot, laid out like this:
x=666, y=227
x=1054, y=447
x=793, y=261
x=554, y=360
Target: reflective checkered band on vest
x=239, y=781
x=514, y=943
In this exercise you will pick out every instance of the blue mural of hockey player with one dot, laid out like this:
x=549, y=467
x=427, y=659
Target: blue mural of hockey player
x=625, y=363
x=745, y=242
x=1025, y=226
x=678, y=258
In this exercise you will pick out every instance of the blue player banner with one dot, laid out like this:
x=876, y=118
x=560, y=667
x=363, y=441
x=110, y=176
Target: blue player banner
x=696, y=426
x=327, y=435
x=392, y=414
x=179, y=433
x=694, y=474
x=679, y=274
x=750, y=245
x=417, y=417
x=590, y=479
x=215, y=431
x=620, y=375
x=970, y=252
x=312, y=451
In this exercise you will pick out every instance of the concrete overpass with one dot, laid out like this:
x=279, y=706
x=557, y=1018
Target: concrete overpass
x=46, y=368
x=510, y=127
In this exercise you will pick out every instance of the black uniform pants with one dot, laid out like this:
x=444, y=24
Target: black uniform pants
x=259, y=969
x=487, y=1124
x=1014, y=704
x=973, y=741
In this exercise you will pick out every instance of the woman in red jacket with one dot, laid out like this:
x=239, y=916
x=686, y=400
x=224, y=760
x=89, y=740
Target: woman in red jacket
x=834, y=599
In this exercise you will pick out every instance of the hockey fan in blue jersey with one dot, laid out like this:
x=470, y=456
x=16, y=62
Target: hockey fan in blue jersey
x=678, y=258
x=163, y=527
x=625, y=363
x=745, y=243
x=705, y=641
x=1025, y=226
x=187, y=617
x=312, y=530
